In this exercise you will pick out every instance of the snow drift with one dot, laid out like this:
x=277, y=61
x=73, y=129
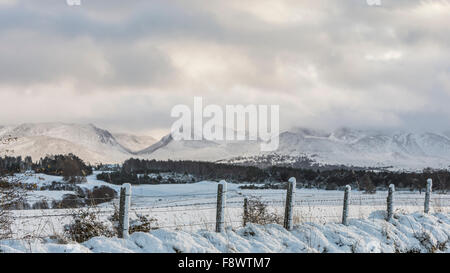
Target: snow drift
x=405, y=233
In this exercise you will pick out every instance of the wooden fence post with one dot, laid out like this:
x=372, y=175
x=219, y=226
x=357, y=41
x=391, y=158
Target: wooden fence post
x=346, y=205
x=245, y=218
x=428, y=195
x=220, y=213
x=390, y=202
x=288, y=213
x=125, y=196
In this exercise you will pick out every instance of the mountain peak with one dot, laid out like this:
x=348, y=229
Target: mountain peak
x=91, y=143
x=346, y=146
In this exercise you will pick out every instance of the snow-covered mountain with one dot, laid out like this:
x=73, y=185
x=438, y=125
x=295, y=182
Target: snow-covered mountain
x=134, y=143
x=206, y=150
x=370, y=148
x=87, y=141
x=344, y=146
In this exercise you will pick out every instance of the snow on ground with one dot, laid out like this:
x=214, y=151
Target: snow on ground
x=41, y=180
x=192, y=207
x=415, y=232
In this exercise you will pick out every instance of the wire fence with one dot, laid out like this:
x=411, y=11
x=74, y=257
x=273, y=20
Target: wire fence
x=200, y=210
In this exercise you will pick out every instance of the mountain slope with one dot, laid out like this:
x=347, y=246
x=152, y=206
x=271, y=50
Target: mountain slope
x=134, y=143
x=343, y=146
x=168, y=148
x=371, y=148
x=90, y=143
x=205, y=150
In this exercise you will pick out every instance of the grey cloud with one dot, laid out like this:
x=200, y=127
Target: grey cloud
x=391, y=61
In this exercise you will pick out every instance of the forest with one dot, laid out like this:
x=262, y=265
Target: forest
x=69, y=166
x=137, y=171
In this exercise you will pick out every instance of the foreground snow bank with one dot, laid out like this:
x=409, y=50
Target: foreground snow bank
x=406, y=233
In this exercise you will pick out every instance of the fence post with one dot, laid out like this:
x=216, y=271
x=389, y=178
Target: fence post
x=390, y=202
x=220, y=213
x=125, y=196
x=346, y=204
x=428, y=195
x=245, y=218
x=288, y=213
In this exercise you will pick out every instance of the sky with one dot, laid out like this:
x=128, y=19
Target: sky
x=123, y=65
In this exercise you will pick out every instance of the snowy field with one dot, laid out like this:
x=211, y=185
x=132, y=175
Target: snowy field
x=192, y=207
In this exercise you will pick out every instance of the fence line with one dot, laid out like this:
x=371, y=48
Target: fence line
x=221, y=204
x=353, y=201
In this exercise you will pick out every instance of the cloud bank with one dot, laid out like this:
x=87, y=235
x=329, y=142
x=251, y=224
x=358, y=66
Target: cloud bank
x=124, y=64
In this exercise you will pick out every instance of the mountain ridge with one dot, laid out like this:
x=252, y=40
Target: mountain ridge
x=343, y=146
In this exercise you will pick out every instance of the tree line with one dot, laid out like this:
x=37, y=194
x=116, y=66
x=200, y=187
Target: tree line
x=136, y=171
x=68, y=166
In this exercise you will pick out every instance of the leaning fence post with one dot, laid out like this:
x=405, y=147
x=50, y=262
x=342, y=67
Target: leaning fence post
x=220, y=213
x=428, y=195
x=125, y=196
x=346, y=205
x=288, y=213
x=245, y=218
x=390, y=202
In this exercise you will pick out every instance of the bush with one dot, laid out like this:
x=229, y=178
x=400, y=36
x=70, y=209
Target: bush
x=85, y=226
x=85, y=197
x=100, y=195
x=40, y=205
x=258, y=213
x=69, y=201
x=143, y=224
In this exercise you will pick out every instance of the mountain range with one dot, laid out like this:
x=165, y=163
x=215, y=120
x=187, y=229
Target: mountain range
x=344, y=146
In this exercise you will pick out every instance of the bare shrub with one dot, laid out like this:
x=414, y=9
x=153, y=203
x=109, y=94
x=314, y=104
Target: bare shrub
x=143, y=224
x=114, y=219
x=85, y=226
x=259, y=214
x=367, y=185
x=11, y=197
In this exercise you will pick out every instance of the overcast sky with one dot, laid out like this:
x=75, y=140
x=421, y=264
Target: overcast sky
x=123, y=65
